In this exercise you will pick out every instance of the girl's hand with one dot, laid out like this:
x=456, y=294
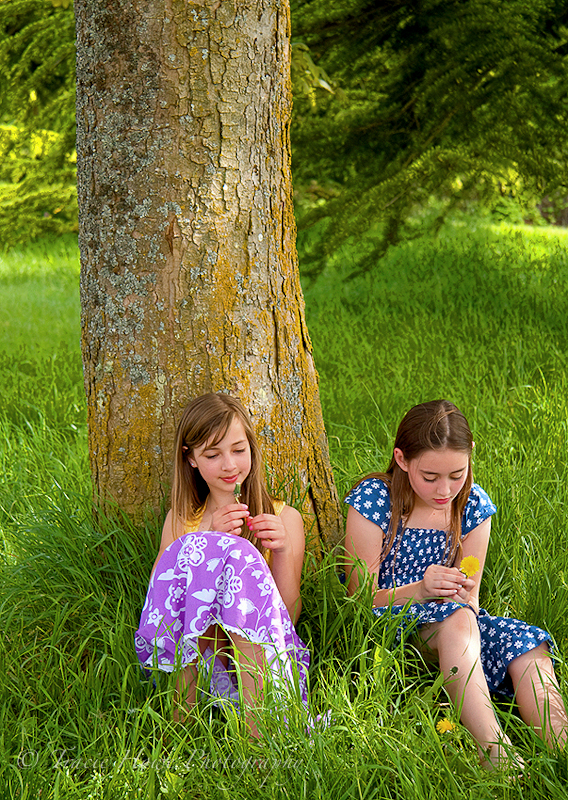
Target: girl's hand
x=229, y=519
x=446, y=583
x=270, y=530
x=463, y=594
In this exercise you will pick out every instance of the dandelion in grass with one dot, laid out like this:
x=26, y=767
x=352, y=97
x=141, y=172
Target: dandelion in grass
x=469, y=566
x=445, y=726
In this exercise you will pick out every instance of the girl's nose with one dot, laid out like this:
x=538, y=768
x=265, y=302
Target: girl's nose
x=228, y=463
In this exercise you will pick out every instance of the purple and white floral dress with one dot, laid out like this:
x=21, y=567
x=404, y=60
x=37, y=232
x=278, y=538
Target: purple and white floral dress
x=206, y=578
x=413, y=550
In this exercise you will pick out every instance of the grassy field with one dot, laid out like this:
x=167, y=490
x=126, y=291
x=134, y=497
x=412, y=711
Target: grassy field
x=479, y=316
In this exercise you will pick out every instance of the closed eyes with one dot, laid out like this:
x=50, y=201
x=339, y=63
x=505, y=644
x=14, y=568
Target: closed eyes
x=452, y=478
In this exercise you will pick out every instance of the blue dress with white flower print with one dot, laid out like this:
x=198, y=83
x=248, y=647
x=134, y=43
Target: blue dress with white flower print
x=414, y=549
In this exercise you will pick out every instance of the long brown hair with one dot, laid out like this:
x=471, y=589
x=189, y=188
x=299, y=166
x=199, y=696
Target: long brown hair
x=435, y=425
x=206, y=420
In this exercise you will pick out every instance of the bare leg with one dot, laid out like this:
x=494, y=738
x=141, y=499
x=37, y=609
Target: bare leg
x=538, y=696
x=185, y=694
x=251, y=663
x=457, y=644
x=186, y=685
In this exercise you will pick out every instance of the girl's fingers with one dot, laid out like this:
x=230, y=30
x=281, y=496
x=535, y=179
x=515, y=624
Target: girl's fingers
x=269, y=530
x=267, y=519
x=229, y=519
x=444, y=587
x=265, y=523
x=235, y=510
x=447, y=583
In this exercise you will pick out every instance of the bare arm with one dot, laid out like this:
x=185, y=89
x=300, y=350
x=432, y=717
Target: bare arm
x=168, y=537
x=284, y=535
x=364, y=541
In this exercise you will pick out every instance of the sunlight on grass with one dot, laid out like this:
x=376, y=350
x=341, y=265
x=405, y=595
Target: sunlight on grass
x=39, y=296
x=478, y=316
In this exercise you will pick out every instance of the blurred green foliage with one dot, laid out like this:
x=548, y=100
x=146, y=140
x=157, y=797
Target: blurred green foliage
x=404, y=110
x=37, y=112
x=445, y=102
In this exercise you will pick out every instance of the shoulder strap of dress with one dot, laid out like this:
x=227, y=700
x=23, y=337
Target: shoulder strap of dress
x=194, y=524
x=278, y=506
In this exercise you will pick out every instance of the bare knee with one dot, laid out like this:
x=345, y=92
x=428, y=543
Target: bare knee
x=458, y=632
x=533, y=663
x=252, y=652
x=215, y=638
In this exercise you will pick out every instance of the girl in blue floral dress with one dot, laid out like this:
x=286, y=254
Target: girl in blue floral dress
x=412, y=526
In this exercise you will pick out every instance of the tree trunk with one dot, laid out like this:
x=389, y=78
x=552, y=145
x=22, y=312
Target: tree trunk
x=189, y=277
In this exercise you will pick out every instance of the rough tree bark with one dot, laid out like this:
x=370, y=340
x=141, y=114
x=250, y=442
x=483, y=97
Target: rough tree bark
x=189, y=278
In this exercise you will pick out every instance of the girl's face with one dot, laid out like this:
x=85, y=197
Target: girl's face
x=226, y=463
x=436, y=476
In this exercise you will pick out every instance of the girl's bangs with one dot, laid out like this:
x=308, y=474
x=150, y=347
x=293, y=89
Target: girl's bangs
x=217, y=432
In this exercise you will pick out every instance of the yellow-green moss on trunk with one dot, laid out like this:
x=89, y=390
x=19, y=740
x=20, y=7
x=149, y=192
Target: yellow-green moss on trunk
x=189, y=270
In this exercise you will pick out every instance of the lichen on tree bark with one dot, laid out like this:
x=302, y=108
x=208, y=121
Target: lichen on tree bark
x=189, y=276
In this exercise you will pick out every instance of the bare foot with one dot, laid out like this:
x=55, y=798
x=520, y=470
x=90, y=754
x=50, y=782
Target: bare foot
x=502, y=756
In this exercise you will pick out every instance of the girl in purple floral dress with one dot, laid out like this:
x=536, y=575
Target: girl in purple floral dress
x=224, y=592
x=414, y=527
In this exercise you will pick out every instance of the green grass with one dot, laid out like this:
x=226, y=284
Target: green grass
x=39, y=298
x=481, y=318
x=478, y=316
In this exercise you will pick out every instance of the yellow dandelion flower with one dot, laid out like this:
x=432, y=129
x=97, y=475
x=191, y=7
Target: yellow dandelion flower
x=445, y=726
x=469, y=566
